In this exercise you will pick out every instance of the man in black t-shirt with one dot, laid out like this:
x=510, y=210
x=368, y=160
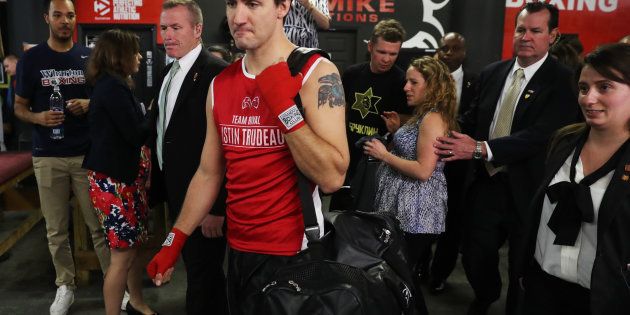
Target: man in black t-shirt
x=374, y=88
x=57, y=162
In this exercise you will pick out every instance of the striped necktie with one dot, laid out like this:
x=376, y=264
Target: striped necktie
x=161, y=123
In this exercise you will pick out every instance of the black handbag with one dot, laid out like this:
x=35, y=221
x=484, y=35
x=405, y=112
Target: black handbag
x=359, y=266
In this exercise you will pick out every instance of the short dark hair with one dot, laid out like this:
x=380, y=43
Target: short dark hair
x=611, y=61
x=46, y=5
x=193, y=9
x=114, y=54
x=389, y=30
x=538, y=6
x=222, y=50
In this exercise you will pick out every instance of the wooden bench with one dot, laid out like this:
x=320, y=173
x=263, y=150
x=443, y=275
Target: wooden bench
x=15, y=167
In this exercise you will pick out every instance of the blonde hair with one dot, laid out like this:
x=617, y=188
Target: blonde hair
x=439, y=95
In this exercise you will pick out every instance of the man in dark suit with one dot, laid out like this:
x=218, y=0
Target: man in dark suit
x=180, y=118
x=519, y=104
x=452, y=52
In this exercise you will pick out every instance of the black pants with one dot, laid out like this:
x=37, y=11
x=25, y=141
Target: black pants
x=549, y=295
x=206, y=289
x=248, y=273
x=418, y=245
x=449, y=242
x=492, y=220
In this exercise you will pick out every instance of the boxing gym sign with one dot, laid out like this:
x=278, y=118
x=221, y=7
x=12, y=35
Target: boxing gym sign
x=117, y=10
x=594, y=21
x=424, y=20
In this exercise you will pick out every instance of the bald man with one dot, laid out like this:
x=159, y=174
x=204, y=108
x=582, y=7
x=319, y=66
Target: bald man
x=452, y=52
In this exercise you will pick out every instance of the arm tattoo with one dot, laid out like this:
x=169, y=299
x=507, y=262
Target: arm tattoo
x=330, y=91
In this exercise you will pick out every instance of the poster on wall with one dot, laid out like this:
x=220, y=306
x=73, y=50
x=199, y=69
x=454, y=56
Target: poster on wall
x=119, y=12
x=595, y=22
x=424, y=20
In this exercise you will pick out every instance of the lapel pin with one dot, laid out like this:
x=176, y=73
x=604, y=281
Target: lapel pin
x=627, y=168
x=526, y=96
x=195, y=77
x=468, y=84
x=625, y=178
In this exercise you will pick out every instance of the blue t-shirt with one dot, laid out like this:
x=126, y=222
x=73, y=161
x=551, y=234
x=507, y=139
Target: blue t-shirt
x=35, y=70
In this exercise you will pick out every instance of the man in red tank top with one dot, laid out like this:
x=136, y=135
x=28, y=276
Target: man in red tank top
x=259, y=139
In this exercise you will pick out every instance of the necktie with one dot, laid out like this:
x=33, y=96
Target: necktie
x=161, y=123
x=503, y=123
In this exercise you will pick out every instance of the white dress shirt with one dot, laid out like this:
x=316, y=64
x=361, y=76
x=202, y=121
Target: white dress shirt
x=185, y=63
x=529, y=73
x=570, y=263
x=458, y=77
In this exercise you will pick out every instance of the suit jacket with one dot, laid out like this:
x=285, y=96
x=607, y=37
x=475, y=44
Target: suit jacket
x=546, y=104
x=185, y=133
x=118, y=128
x=610, y=291
x=455, y=171
x=469, y=89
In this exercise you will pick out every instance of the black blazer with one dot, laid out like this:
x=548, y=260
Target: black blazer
x=185, y=134
x=455, y=171
x=610, y=294
x=546, y=104
x=118, y=129
x=469, y=89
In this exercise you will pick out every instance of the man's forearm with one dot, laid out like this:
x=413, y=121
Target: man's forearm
x=317, y=159
x=202, y=193
x=23, y=113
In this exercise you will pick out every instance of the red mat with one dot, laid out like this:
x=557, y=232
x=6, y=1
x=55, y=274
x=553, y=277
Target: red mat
x=14, y=163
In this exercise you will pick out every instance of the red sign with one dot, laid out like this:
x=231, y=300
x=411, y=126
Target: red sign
x=359, y=11
x=119, y=12
x=595, y=22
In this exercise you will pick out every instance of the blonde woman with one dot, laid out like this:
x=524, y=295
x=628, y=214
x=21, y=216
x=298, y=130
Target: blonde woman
x=410, y=180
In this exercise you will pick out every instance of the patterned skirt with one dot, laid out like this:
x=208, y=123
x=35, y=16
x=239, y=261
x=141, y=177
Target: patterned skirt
x=121, y=208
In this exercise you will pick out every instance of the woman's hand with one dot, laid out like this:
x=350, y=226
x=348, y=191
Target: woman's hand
x=392, y=121
x=376, y=149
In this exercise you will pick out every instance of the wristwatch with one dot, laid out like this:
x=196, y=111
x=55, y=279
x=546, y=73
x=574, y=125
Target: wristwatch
x=478, y=153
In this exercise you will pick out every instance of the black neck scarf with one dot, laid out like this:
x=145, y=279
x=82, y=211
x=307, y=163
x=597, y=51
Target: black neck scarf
x=574, y=199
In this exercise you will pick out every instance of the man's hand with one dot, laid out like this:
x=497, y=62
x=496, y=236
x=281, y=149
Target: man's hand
x=212, y=226
x=456, y=147
x=278, y=88
x=49, y=118
x=392, y=121
x=78, y=106
x=160, y=268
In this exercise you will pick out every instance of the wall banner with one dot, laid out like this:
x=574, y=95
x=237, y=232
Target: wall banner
x=594, y=21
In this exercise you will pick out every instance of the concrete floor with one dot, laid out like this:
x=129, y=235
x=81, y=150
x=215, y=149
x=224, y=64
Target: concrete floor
x=27, y=286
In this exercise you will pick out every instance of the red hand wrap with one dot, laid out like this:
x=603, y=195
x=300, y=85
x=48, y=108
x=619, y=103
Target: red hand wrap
x=278, y=88
x=167, y=256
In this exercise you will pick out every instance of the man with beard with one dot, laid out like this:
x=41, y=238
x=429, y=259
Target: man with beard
x=57, y=162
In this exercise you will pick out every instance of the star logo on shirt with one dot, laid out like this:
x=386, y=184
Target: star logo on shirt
x=366, y=103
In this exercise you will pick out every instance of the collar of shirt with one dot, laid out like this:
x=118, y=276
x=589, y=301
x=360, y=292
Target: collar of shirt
x=185, y=63
x=528, y=71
